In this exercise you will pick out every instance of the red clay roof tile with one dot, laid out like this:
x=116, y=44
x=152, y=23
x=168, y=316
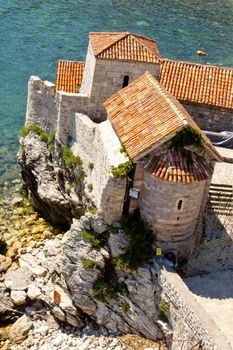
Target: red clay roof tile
x=198, y=83
x=69, y=76
x=144, y=116
x=175, y=167
x=124, y=46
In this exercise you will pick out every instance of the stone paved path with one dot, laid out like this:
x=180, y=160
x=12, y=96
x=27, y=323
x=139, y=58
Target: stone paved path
x=214, y=291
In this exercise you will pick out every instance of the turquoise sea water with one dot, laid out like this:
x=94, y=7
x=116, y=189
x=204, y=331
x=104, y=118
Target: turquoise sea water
x=34, y=34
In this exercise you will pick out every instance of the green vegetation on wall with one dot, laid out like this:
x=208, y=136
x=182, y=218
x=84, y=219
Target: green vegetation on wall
x=95, y=242
x=49, y=138
x=187, y=137
x=141, y=239
x=124, y=170
x=89, y=264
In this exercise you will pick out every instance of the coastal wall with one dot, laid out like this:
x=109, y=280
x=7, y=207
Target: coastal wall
x=191, y=325
x=98, y=147
x=211, y=118
x=68, y=105
x=41, y=104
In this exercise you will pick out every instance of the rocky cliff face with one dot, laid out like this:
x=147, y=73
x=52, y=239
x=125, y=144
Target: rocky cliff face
x=82, y=268
x=49, y=185
x=122, y=301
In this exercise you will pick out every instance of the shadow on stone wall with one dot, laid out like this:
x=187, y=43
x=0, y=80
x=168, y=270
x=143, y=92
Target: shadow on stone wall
x=215, y=251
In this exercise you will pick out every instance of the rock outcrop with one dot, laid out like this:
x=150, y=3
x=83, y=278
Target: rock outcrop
x=49, y=190
x=132, y=304
x=77, y=278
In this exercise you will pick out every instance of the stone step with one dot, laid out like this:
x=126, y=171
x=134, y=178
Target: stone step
x=220, y=199
x=221, y=186
x=221, y=205
x=220, y=190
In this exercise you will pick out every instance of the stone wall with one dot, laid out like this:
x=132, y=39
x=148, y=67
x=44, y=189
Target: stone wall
x=97, y=144
x=41, y=104
x=108, y=79
x=89, y=71
x=159, y=207
x=68, y=105
x=192, y=326
x=211, y=255
x=211, y=118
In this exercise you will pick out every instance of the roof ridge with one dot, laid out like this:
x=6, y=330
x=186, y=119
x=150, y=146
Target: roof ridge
x=123, y=35
x=168, y=98
x=134, y=36
x=196, y=64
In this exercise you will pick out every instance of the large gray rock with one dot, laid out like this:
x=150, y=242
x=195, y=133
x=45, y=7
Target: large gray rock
x=31, y=262
x=143, y=297
x=18, y=279
x=118, y=243
x=19, y=331
x=45, y=182
x=18, y=297
x=7, y=312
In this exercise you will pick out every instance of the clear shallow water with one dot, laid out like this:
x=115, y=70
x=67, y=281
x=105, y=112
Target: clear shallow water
x=34, y=34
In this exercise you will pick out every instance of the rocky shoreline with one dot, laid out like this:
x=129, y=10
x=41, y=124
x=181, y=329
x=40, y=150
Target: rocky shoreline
x=38, y=308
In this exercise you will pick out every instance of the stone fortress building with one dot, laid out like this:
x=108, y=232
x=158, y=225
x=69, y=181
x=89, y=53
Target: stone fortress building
x=127, y=94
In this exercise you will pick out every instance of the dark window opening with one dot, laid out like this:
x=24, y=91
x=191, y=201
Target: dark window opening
x=125, y=81
x=179, y=205
x=177, y=218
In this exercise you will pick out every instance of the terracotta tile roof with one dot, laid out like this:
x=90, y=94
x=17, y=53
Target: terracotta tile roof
x=124, y=46
x=176, y=167
x=69, y=76
x=198, y=83
x=144, y=116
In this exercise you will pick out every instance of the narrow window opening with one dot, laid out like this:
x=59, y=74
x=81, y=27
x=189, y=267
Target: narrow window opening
x=180, y=204
x=125, y=81
x=177, y=218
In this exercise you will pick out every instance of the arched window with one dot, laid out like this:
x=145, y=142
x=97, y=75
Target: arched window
x=180, y=204
x=125, y=81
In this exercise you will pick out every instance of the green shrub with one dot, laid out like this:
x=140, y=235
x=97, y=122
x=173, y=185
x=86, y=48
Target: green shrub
x=51, y=140
x=93, y=211
x=164, y=310
x=91, y=166
x=44, y=137
x=95, y=242
x=90, y=187
x=24, y=132
x=187, y=137
x=123, y=149
x=103, y=290
x=89, y=264
x=37, y=129
x=22, y=147
x=69, y=158
x=124, y=290
x=125, y=307
x=124, y=170
x=141, y=239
